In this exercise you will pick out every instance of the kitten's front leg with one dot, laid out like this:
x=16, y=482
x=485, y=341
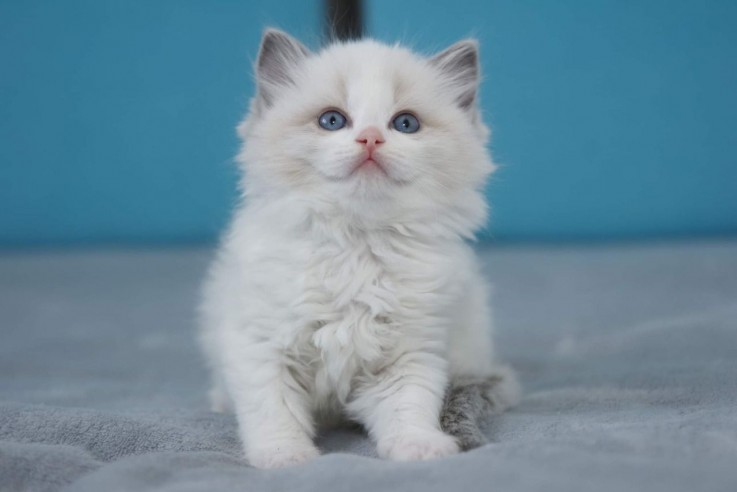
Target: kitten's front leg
x=274, y=418
x=401, y=410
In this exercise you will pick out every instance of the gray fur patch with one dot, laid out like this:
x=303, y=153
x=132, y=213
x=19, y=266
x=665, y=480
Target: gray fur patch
x=468, y=402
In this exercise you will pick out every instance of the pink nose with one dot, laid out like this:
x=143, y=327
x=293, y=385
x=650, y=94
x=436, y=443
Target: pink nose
x=371, y=137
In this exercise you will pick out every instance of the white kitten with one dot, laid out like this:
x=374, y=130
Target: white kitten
x=343, y=286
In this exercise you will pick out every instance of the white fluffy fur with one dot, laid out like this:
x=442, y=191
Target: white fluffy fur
x=338, y=294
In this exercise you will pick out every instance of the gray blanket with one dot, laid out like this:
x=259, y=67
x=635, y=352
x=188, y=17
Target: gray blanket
x=628, y=356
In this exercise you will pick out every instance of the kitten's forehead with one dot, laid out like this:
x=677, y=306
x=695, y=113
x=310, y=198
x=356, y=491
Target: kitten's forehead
x=370, y=92
x=374, y=78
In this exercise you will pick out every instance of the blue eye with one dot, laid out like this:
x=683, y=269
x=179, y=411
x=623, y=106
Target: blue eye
x=406, y=123
x=332, y=120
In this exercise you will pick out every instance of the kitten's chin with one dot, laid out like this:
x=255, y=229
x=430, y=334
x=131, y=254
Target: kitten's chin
x=368, y=183
x=373, y=179
x=370, y=165
x=366, y=173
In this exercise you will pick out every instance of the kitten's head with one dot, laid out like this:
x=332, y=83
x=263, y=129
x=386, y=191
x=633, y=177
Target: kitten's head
x=367, y=127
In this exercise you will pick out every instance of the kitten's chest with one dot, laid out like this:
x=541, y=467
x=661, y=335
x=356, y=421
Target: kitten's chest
x=351, y=301
x=344, y=281
x=351, y=306
x=358, y=304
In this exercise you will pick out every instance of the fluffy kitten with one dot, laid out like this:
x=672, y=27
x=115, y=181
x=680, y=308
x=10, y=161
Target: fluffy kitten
x=344, y=287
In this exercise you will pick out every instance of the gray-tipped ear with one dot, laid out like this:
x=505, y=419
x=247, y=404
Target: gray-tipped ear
x=460, y=65
x=278, y=56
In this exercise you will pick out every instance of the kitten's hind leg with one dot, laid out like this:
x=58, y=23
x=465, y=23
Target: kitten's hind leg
x=470, y=400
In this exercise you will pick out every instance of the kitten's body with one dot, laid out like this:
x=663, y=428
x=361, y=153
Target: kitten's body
x=345, y=290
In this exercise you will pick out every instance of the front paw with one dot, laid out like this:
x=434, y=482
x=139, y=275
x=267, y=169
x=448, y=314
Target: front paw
x=282, y=455
x=418, y=445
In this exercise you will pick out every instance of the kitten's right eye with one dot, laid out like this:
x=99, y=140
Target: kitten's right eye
x=332, y=120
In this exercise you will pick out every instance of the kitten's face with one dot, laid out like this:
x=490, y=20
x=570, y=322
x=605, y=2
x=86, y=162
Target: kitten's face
x=365, y=121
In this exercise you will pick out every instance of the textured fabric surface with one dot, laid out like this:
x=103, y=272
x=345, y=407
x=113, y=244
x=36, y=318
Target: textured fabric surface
x=628, y=357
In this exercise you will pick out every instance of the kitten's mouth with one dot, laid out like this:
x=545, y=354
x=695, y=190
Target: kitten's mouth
x=369, y=164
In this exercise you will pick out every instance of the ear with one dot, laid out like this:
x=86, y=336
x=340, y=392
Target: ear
x=460, y=65
x=278, y=56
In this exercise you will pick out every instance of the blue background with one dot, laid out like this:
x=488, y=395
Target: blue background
x=610, y=119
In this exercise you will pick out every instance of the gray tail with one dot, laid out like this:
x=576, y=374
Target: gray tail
x=470, y=400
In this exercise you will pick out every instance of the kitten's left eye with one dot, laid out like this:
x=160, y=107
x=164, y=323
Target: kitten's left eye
x=406, y=123
x=332, y=120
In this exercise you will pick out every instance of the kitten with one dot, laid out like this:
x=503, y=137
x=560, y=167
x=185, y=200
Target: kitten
x=344, y=287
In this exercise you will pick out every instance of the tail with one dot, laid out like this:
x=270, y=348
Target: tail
x=471, y=399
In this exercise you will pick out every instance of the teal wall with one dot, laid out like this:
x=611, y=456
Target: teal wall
x=117, y=118
x=611, y=119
